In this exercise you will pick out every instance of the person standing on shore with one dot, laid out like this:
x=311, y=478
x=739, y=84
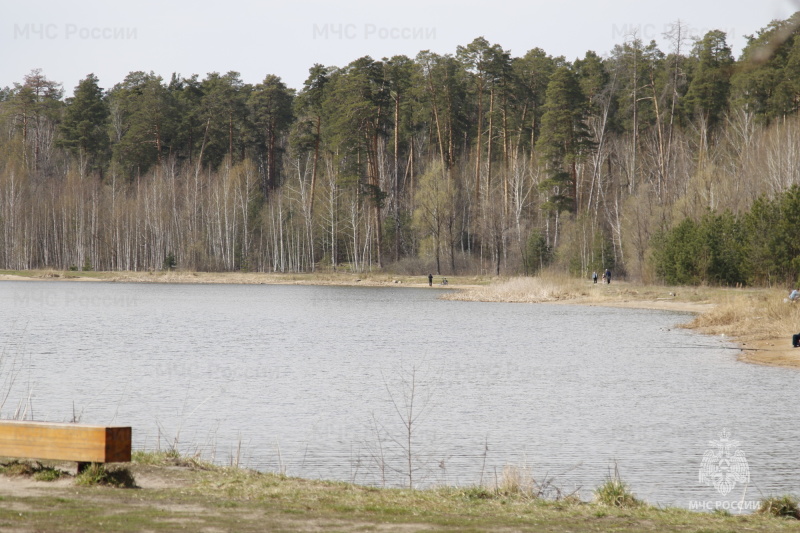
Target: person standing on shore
x=430, y=280
x=608, y=276
x=594, y=277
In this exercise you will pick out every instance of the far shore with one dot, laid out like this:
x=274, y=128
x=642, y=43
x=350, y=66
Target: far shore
x=760, y=344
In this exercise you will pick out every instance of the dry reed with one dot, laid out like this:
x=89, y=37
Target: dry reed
x=750, y=316
x=548, y=288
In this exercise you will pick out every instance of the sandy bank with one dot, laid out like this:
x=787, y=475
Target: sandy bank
x=657, y=305
x=771, y=352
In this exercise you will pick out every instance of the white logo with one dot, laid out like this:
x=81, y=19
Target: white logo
x=724, y=465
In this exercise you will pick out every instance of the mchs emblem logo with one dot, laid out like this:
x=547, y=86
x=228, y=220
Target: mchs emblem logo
x=724, y=465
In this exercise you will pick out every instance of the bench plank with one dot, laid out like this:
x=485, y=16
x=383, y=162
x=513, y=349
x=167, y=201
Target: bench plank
x=65, y=442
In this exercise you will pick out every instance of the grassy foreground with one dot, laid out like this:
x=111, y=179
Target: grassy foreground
x=175, y=494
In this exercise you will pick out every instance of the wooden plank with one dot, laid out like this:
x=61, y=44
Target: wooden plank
x=65, y=442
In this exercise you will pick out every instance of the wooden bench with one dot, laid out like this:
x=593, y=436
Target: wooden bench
x=81, y=443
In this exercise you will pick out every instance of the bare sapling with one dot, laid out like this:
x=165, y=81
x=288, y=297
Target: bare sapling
x=411, y=399
x=11, y=368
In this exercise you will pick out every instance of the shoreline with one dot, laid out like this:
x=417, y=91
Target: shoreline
x=242, y=278
x=766, y=351
x=174, y=492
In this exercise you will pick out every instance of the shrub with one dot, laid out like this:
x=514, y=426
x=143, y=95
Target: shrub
x=615, y=493
x=36, y=470
x=98, y=474
x=784, y=506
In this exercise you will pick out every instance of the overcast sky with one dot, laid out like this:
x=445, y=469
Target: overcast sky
x=69, y=39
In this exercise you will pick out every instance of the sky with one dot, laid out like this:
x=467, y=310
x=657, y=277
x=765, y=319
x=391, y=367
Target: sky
x=68, y=39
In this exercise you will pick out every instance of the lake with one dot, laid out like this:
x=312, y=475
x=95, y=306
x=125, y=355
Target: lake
x=317, y=382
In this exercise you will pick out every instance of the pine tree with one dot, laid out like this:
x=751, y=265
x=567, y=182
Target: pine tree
x=707, y=97
x=564, y=139
x=271, y=113
x=84, y=129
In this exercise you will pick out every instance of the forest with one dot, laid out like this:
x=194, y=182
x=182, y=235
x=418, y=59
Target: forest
x=679, y=165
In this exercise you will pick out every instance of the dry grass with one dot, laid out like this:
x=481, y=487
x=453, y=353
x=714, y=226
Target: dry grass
x=548, y=288
x=322, y=277
x=558, y=287
x=752, y=315
x=519, y=481
x=175, y=498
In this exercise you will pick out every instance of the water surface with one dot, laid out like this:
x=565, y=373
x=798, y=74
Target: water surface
x=309, y=381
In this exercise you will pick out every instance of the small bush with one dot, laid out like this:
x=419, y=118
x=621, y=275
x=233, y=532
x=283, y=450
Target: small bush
x=98, y=474
x=48, y=474
x=783, y=506
x=17, y=468
x=170, y=262
x=35, y=470
x=615, y=493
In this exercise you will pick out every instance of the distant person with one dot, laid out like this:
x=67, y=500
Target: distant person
x=430, y=280
x=594, y=277
x=794, y=295
x=444, y=281
x=796, y=340
x=608, y=276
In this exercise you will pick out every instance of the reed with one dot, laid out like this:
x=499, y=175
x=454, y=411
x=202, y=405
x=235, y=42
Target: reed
x=519, y=481
x=750, y=316
x=545, y=288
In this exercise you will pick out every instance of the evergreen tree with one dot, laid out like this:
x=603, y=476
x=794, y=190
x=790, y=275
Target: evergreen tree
x=84, y=128
x=564, y=139
x=707, y=97
x=143, y=122
x=307, y=132
x=187, y=94
x=270, y=105
x=223, y=109
x=531, y=74
x=767, y=82
x=358, y=105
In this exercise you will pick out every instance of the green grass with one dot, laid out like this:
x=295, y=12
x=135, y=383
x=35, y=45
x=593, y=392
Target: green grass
x=99, y=474
x=615, y=493
x=198, y=497
x=170, y=458
x=33, y=469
